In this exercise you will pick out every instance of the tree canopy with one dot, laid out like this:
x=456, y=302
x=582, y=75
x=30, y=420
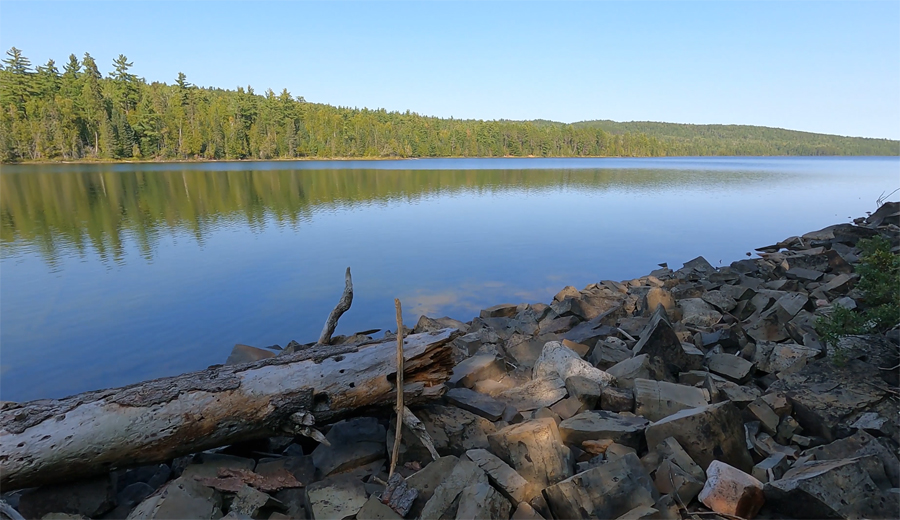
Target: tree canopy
x=81, y=115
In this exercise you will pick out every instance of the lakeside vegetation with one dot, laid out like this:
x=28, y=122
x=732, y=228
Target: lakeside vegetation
x=78, y=114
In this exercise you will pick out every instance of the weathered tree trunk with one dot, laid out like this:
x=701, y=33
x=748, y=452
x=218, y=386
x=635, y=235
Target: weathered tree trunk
x=154, y=421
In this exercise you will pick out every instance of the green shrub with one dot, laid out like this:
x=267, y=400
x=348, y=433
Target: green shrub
x=879, y=286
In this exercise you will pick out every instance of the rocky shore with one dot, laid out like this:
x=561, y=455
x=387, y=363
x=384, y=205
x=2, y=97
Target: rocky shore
x=696, y=393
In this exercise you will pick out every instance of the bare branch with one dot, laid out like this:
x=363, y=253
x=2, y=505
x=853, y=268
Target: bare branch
x=339, y=309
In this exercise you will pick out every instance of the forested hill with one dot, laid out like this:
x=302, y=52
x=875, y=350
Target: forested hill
x=687, y=139
x=78, y=114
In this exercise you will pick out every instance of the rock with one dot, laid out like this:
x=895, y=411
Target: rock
x=88, y=497
x=207, y=465
x=250, y=501
x=526, y=351
x=538, y=393
x=443, y=503
x=627, y=371
x=479, y=404
x=860, y=444
x=784, y=358
x=559, y=325
x=373, y=509
x=535, y=449
x=578, y=348
x=664, y=349
x=427, y=479
x=698, y=313
x=640, y=513
x=657, y=296
x=560, y=361
x=730, y=491
x=590, y=332
x=787, y=427
x=477, y=368
x=657, y=399
x=524, y=511
x=596, y=425
x=302, y=468
x=740, y=395
x=804, y=275
x=767, y=417
x=821, y=490
x=335, y=497
x=354, y=442
x=183, y=497
x=567, y=407
x=771, y=468
x=606, y=491
x=872, y=423
x=585, y=390
x=608, y=352
x=566, y=292
x=669, y=449
x=840, y=284
x=671, y=478
x=129, y=497
x=426, y=324
x=617, y=399
x=713, y=432
x=721, y=300
x=733, y=367
x=454, y=430
x=822, y=395
x=504, y=310
x=247, y=354
x=502, y=476
x=482, y=502
x=470, y=343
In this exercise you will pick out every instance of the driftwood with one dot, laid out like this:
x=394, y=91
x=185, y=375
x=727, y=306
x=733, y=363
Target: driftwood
x=155, y=421
x=339, y=309
x=396, y=451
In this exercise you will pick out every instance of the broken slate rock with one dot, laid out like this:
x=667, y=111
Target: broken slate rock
x=721, y=300
x=860, y=444
x=535, y=450
x=250, y=501
x=373, y=509
x=480, y=501
x=697, y=313
x=630, y=369
x=503, y=310
x=477, y=368
x=479, y=404
x=560, y=361
x=88, y=497
x=427, y=479
x=183, y=497
x=453, y=429
x=354, y=442
x=247, y=354
x=502, y=476
x=655, y=400
x=617, y=399
x=443, y=502
x=606, y=491
x=830, y=489
x=730, y=491
x=663, y=346
x=608, y=352
x=735, y=368
x=538, y=393
x=207, y=465
x=595, y=425
x=713, y=432
x=336, y=497
x=585, y=390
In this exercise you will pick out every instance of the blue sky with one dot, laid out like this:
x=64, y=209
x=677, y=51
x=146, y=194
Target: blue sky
x=830, y=67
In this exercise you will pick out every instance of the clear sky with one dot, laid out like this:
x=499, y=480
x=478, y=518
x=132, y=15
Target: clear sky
x=831, y=67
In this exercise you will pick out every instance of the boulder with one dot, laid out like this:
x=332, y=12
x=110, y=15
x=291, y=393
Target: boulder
x=617, y=399
x=503, y=310
x=735, y=368
x=657, y=399
x=535, y=449
x=730, y=491
x=477, y=368
x=721, y=300
x=524, y=511
x=538, y=393
x=373, y=509
x=479, y=404
x=596, y=425
x=664, y=348
x=335, y=497
x=671, y=478
x=830, y=489
x=698, y=313
x=480, y=501
x=502, y=476
x=606, y=491
x=608, y=352
x=567, y=407
x=713, y=432
x=249, y=502
x=526, y=350
x=771, y=468
x=444, y=501
x=585, y=390
x=426, y=324
x=88, y=497
x=804, y=275
x=247, y=354
x=427, y=479
x=657, y=296
x=354, y=442
x=763, y=413
x=183, y=497
x=560, y=361
x=783, y=358
x=860, y=444
x=454, y=430
x=625, y=372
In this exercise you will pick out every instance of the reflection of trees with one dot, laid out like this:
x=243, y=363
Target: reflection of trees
x=97, y=209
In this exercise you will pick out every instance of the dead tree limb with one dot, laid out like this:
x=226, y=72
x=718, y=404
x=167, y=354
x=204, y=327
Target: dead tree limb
x=339, y=309
x=397, y=436
x=155, y=421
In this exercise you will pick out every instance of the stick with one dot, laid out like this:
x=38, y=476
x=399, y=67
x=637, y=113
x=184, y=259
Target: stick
x=399, y=429
x=8, y=512
x=628, y=336
x=339, y=309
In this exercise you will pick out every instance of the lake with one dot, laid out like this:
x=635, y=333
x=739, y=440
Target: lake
x=112, y=274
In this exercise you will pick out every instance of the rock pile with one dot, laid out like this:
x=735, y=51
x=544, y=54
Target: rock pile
x=686, y=391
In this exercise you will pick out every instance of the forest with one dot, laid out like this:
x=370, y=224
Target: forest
x=78, y=114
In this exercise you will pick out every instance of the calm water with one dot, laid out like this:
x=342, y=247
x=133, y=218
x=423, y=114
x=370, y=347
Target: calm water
x=111, y=274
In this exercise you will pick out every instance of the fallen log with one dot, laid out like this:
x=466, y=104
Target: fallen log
x=154, y=421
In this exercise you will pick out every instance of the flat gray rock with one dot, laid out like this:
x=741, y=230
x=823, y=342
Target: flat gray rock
x=354, y=442
x=599, y=424
x=477, y=403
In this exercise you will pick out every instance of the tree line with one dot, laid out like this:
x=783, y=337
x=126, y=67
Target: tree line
x=77, y=113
